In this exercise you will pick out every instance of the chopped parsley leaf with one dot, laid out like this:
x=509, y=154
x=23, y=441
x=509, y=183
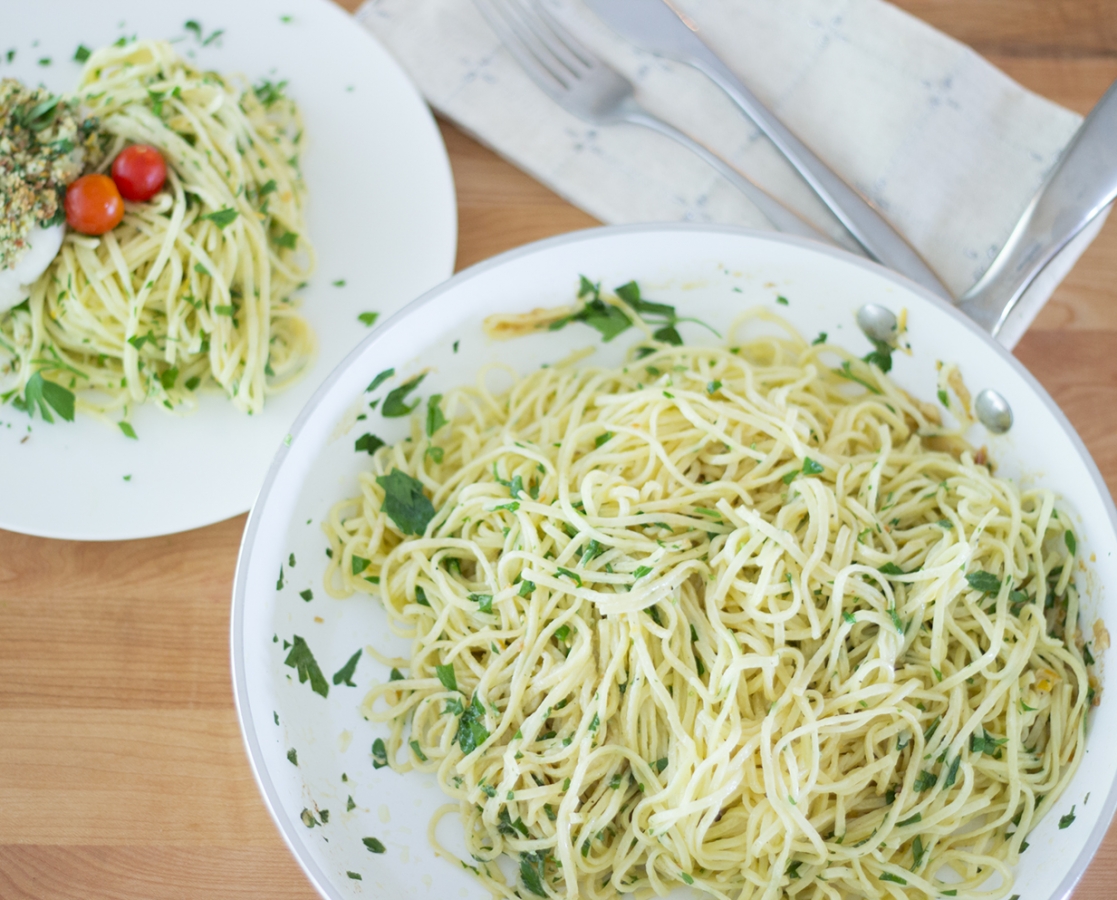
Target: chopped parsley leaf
x=447, y=677
x=370, y=443
x=405, y=503
x=302, y=660
x=986, y=582
x=395, y=404
x=435, y=418
x=222, y=218
x=471, y=727
x=344, y=675
x=379, y=380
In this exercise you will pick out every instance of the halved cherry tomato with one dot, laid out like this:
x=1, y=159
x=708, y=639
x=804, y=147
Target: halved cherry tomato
x=139, y=172
x=93, y=204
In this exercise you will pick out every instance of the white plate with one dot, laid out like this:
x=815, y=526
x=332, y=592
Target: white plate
x=700, y=269
x=381, y=215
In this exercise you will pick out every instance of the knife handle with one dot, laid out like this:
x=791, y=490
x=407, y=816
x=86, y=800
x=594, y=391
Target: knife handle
x=880, y=240
x=1082, y=184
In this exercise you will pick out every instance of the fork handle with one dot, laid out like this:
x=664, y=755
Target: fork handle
x=782, y=218
x=1082, y=184
x=881, y=241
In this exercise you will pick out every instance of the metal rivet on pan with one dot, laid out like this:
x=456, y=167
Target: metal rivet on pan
x=878, y=323
x=993, y=411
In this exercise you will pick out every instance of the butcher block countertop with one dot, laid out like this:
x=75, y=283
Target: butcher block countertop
x=122, y=770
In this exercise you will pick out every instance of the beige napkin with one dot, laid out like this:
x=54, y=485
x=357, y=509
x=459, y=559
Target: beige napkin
x=946, y=145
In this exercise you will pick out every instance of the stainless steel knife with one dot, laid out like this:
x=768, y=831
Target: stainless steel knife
x=655, y=26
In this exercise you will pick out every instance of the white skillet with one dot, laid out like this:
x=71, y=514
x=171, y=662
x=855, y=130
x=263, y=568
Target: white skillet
x=706, y=271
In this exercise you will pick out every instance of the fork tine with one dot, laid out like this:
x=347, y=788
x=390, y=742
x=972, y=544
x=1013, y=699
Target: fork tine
x=554, y=37
x=528, y=60
x=576, y=48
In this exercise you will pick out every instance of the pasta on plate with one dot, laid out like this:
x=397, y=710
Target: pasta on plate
x=194, y=288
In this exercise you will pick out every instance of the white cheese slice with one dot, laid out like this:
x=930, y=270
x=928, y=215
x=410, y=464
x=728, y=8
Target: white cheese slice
x=15, y=283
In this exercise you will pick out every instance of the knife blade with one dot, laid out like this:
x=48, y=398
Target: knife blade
x=654, y=25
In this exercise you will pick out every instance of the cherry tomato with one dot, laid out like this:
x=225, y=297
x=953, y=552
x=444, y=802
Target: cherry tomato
x=93, y=204
x=139, y=172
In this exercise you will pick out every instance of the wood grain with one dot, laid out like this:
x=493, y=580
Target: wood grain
x=122, y=771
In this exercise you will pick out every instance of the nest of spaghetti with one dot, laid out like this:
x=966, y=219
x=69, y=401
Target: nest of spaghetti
x=195, y=288
x=721, y=617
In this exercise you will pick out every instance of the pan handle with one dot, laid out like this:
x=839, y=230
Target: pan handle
x=1082, y=184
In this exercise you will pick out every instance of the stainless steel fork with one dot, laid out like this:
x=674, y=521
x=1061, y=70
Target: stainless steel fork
x=589, y=88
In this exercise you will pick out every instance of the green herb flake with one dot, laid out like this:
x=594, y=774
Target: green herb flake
x=573, y=576
x=418, y=751
x=471, y=727
x=983, y=581
x=447, y=677
x=1067, y=820
x=82, y=53
x=1072, y=544
x=821, y=339
x=222, y=218
x=293, y=756
x=924, y=781
x=368, y=319
x=379, y=756
x=41, y=393
x=344, y=675
x=532, y=872
x=379, y=380
x=373, y=845
x=435, y=418
x=395, y=404
x=369, y=443
x=302, y=660
x=810, y=467
x=405, y=503
x=896, y=879
x=952, y=772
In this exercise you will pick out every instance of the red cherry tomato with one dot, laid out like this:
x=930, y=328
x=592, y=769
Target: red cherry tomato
x=139, y=172
x=93, y=204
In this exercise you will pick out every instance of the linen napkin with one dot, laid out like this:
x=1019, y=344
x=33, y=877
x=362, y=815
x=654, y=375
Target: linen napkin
x=946, y=145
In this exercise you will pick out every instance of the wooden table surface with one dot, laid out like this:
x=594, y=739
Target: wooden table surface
x=122, y=772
